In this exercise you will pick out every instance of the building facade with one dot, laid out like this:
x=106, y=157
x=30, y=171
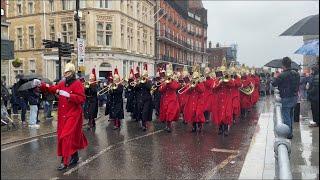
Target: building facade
x=181, y=33
x=116, y=33
x=6, y=44
x=217, y=54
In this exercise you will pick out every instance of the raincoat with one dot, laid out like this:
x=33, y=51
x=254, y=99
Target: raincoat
x=194, y=107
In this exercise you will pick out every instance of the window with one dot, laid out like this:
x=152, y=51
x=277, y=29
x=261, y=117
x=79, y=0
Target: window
x=100, y=33
x=83, y=30
x=68, y=4
x=51, y=5
x=102, y=3
x=67, y=32
x=32, y=66
x=104, y=34
x=19, y=7
x=138, y=41
x=31, y=37
x=52, y=32
x=82, y=4
x=64, y=4
x=30, y=7
x=138, y=10
x=122, y=36
x=108, y=34
x=19, y=38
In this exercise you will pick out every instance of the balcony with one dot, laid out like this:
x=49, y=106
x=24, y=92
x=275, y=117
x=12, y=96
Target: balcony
x=174, y=60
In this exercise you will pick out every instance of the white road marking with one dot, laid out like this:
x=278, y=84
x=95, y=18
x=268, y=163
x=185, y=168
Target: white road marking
x=211, y=173
x=18, y=145
x=224, y=150
x=107, y=149
x=49, y=136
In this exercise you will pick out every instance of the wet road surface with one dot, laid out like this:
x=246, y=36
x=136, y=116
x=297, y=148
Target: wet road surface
x=134, y=154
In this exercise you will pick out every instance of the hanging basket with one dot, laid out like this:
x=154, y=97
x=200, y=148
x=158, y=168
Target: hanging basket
x=16, y=63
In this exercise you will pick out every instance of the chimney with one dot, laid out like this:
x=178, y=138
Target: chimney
x=217, y=45
x=210, y=44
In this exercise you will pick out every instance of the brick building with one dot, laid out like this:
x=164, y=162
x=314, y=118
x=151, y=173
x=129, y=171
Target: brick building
x=181, y=35
x=217, y=54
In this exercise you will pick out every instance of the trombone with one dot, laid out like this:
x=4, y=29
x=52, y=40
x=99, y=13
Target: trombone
x=87, y=84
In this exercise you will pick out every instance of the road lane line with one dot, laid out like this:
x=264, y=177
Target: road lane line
x=49, y=136
x=224, y=150
x=19, y=145
x=107, y=149
x=210, y=174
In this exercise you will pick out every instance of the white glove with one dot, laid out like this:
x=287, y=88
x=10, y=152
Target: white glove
x=64, y=93
x=36, y=82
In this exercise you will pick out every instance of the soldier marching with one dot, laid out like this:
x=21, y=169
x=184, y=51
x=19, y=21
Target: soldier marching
x=221, y=96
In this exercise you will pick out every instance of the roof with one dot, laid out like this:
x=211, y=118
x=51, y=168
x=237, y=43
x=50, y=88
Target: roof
x=195, y=4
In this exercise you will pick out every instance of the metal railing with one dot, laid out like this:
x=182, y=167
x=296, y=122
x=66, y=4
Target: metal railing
x=282, y=146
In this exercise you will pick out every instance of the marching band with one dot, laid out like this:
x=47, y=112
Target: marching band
x=222, y=95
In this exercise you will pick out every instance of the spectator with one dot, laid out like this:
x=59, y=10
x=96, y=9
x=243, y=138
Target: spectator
x=19, y=99
x=34, y=100
x=313, y=95
x=288, y=85
x=302, y=87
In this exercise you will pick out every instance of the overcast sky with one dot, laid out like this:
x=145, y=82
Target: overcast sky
x=256, y=25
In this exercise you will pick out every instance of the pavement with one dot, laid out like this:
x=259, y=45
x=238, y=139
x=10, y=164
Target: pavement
x=247, y=153
x=304, y=157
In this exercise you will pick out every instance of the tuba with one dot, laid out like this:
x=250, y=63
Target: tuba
x=247, y=90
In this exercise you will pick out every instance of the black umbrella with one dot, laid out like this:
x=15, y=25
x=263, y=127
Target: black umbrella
x=26, y=86
x=306, y=26
x=277, y=63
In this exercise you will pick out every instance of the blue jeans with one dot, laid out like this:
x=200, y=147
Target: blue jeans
x=33, y=114
x=287, y=111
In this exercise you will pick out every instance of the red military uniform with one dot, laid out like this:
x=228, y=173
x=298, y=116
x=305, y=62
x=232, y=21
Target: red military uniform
x=69, y=130
x=255, y=94
x=169, y=105
x=235, y=93
x=245, y=100
x=194, y=107
x=222, y=112
x=208, y=94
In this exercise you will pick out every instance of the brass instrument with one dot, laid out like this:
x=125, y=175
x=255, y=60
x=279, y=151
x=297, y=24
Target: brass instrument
x=192, y=84
x=247, y=90
x=87, y=84
x=183, y=89
x=143, y=80
x=104, y=90
x=225, y=78
x=153, y=88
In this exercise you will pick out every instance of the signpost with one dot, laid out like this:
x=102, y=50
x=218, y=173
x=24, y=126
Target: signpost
x=81, y=51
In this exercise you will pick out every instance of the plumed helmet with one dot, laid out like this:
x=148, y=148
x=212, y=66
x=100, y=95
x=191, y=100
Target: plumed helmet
x=69, y=67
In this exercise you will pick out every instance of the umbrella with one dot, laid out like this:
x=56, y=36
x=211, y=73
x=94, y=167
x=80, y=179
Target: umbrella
x=277, y=63
x=26, y=86
x=310, y=48
x=306, y=26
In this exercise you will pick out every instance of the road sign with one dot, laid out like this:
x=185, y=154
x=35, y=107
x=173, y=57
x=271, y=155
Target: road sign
x=81, y=51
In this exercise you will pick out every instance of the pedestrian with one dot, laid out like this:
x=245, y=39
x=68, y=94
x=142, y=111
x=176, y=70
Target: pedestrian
x=169, y=105
x=245, y=96
x=115, y=101
x=288, y=85
x=69, y=129
x=145, y=108
x=313, y=95
x=207, y=93
x=19, y=100
x=182, y=96
x=235, y=93
x=91, y=110
x=34, y=100
x=156, y=94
